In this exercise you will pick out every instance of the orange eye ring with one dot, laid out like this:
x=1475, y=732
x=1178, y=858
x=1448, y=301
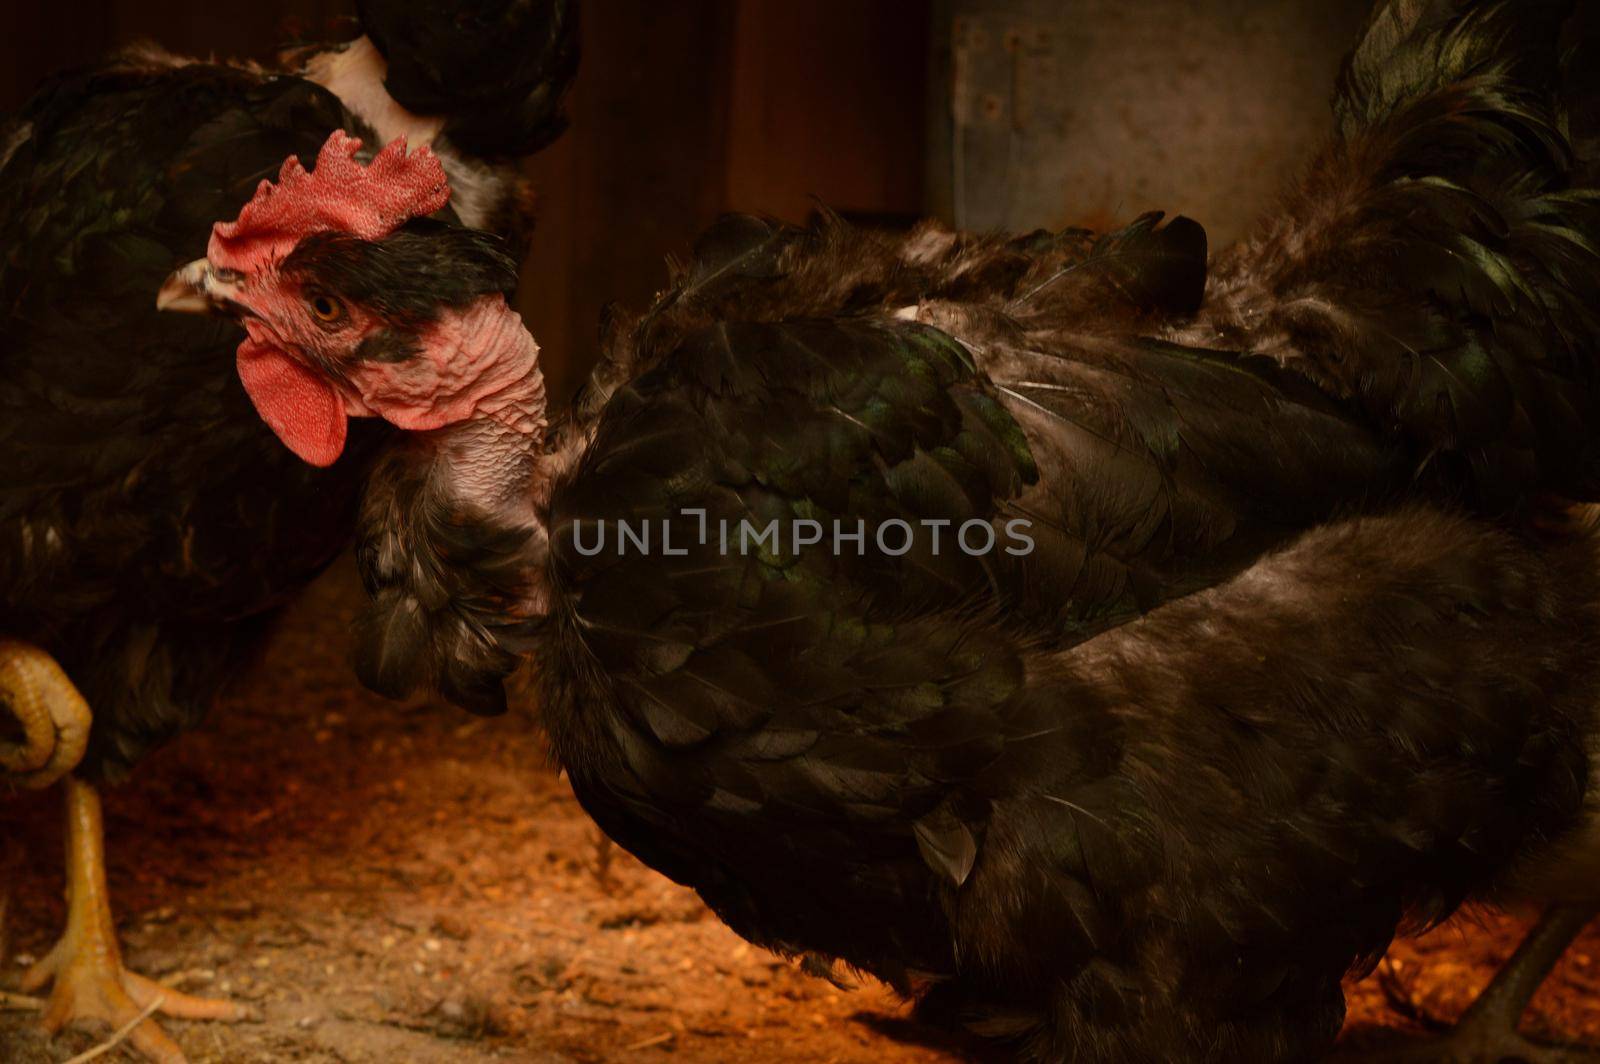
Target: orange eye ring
x=326, y=308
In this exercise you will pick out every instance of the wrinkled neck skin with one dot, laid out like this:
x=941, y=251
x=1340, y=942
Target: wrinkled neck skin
x=355, y=74
x=490, y=460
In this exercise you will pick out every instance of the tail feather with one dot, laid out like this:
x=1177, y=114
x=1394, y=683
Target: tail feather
x=1412, y=49
x=1440, y=265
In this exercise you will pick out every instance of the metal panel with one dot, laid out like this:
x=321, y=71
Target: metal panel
x=1047, y=113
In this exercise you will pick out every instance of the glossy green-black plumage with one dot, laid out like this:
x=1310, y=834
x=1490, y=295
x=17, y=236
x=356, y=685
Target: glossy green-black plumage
x=929, y=766
x=148, y=519
x=497, y=70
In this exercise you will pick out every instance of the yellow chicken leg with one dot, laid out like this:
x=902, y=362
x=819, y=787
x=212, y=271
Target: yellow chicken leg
x=88, y=981
x=84, y=970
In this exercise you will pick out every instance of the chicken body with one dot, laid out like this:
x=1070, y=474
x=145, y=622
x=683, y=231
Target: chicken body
x=1064, y=799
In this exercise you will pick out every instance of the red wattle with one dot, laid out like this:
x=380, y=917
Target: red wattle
x=303, y=409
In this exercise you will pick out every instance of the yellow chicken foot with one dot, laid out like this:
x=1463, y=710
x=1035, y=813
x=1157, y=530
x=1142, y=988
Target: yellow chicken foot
x=88, y=981
x=52, y=715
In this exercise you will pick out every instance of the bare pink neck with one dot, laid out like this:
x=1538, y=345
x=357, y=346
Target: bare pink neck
x=490, y=453
x=519, y=403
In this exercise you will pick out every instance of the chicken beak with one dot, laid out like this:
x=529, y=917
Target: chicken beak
x=199, y=288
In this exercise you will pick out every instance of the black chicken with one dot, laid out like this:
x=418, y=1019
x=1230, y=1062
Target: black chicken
x=149, y=524
x=1109, y=655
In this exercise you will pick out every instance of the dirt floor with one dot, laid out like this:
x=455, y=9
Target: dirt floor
x=408, y=884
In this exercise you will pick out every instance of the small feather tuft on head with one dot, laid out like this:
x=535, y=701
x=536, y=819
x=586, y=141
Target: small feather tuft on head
x=340, y=195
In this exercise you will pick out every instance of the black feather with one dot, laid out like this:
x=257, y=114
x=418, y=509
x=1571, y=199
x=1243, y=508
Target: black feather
x=1159, y=267
x=391, y=642
x=411, y=276
x=498, y=70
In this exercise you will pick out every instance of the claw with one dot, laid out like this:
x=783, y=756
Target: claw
x=53, y=716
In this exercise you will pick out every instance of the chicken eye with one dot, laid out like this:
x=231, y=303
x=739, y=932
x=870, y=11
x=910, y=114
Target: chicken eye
x=325, y=307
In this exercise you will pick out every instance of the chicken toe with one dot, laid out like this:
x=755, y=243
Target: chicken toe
x=87, y=980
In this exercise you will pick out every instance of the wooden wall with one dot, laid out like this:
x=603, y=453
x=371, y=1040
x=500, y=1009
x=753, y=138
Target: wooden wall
x=44, y=36
x=686, y=110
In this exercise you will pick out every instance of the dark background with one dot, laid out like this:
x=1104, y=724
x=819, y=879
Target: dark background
x=1005, y=114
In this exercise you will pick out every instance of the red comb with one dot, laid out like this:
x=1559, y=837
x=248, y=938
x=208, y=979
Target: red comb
x=340, y=195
